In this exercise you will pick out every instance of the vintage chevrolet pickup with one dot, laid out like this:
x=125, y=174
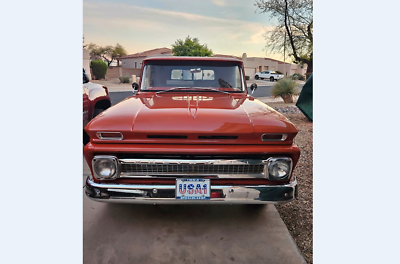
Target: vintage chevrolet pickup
x=191, y=133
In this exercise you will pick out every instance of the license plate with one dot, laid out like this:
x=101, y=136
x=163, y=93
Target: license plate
x=192, y=189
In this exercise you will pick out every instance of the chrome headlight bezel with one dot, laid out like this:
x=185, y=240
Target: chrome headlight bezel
x=114, y=160
x=274, y=162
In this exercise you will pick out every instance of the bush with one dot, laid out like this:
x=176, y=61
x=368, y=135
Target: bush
x=297, y=76
x=124, y=79
x=285, y=88
x=99, y=69
x=247, y=77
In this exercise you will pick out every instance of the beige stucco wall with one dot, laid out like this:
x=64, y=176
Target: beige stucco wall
x=291, y=69
x=130, y=63
x=257, y=64
x=86, y=61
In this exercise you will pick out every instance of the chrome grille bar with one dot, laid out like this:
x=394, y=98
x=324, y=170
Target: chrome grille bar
x=240, y=168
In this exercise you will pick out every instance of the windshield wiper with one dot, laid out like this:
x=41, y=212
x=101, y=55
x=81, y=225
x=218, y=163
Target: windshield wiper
x=172, y=89
x=212, y=89
x=202, y=88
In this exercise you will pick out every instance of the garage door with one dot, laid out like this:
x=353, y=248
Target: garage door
x=250, y=72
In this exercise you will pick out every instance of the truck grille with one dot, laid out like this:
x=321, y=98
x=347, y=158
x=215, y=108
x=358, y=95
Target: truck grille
x=150, y=167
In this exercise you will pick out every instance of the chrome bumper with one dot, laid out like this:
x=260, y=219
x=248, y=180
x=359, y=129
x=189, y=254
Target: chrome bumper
x=165, y=194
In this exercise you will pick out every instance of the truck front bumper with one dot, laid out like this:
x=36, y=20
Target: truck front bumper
x=165, y=194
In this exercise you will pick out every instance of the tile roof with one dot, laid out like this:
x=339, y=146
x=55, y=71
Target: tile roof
x=227, y=56
x=158, y=51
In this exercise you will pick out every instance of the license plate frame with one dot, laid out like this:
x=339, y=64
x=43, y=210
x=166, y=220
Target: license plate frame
x=183, y=189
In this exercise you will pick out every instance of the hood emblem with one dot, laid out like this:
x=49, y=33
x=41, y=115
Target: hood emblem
x=193, y=105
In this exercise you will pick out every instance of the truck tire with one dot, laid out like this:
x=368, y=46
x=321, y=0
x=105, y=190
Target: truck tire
x=97, y=111
x=256, y=77
x=271, y=79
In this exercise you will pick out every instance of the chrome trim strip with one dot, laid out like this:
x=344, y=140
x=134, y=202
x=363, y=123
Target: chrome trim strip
x=195, y=162
x=247, y=194
x=192, y=175
x=284, y=137
x=120, y=137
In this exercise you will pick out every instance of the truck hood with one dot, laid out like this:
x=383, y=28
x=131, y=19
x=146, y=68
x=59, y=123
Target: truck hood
x=170, y=117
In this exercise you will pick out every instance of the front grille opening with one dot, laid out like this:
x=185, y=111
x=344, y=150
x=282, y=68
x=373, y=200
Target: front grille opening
x=218, y=137
x=191, y=169
x=167, y=136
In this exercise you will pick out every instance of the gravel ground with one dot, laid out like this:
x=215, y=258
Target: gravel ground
x=298, y=215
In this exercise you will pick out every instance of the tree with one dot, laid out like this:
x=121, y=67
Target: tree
x=294, y=29
x=190, y=47
x=107, y=53
x=84, y=46
x=118, y=52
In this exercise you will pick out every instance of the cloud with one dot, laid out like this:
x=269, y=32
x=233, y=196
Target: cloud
x=138, y=28
x=219, y=2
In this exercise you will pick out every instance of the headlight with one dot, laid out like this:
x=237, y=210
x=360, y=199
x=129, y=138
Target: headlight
x=279, y=168
x=105, y=167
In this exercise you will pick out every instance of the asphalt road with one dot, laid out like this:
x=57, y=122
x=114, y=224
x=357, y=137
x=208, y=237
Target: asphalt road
x=116, y=97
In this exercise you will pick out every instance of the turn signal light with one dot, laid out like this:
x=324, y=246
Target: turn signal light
x=273, y=137
x=110, y=135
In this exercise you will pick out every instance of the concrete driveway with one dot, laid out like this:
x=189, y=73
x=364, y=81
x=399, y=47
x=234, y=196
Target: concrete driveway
x=122, y=233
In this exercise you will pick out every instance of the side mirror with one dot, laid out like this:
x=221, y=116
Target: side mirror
x=135, y=87
x=253, y=87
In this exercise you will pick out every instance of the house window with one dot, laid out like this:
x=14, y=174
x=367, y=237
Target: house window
x=135, y=64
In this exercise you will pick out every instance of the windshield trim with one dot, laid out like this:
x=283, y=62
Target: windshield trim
x=243, y=88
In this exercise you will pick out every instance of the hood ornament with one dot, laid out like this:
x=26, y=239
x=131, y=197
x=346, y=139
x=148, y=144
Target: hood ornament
x=193, y=110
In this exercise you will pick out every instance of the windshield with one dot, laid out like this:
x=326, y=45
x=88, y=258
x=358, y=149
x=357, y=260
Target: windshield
x=193, y=77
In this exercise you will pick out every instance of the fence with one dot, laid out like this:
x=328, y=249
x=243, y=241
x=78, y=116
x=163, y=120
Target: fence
x=116, y=72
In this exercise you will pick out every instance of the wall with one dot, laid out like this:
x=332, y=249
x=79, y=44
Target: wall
x=253, y=64
x=130, y=63
x=291, y=69
x=130, y=72
x=116, y=72
x=86, y=62
x=112, y=72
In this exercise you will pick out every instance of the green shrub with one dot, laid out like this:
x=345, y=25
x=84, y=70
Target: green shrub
x=99, y=69
x=285, y=88
x=247, y=77
x=124, y=79
x=297, y=76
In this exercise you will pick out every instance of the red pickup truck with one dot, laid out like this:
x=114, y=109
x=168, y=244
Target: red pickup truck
x=191, y=134
x=95, y=100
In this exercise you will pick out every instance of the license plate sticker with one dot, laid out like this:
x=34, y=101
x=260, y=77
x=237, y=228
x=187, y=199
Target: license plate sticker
x=192, y=189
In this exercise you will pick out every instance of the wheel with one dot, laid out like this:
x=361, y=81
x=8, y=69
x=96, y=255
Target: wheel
x=97, y=111
x=86, y=138
x=257, y=77
x=271, y=79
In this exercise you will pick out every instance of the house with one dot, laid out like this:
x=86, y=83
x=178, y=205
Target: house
x=132, y=64
x=258, y=64
x=134, y=61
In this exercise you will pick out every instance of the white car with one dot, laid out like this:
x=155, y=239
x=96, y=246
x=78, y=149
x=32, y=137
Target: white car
x=271, y=75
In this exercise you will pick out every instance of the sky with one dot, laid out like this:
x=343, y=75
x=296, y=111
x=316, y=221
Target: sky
x=230, y=27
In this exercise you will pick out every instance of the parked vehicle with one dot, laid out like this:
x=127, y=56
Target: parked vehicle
x=271, y=75
x=191, y=133
x=95, y=100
